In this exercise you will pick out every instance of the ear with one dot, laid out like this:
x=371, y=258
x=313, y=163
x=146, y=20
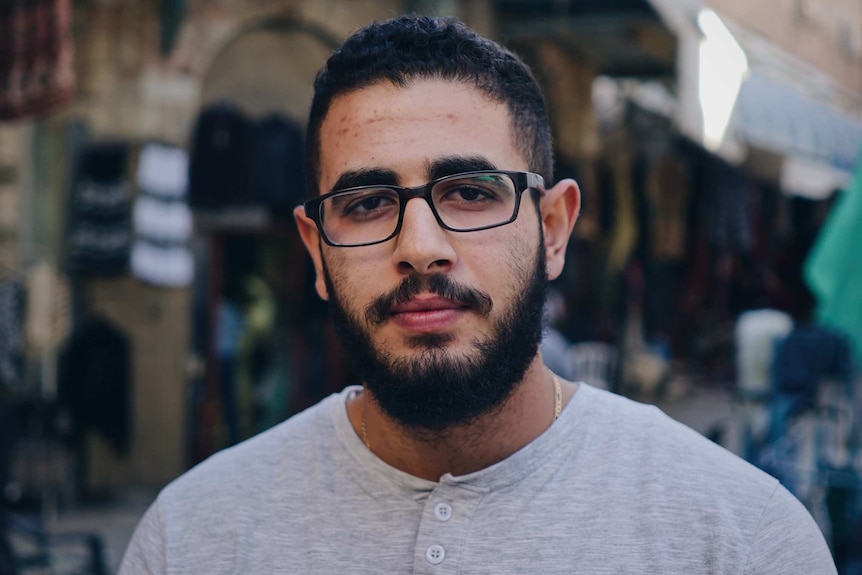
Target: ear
x=311, y=238
x=560, y=208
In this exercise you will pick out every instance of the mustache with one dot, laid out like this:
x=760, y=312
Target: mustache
x=438, y=284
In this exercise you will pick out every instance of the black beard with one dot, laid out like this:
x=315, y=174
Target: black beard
x=434, y=390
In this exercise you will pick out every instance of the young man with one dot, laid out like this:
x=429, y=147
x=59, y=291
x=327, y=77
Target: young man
x=434, y=229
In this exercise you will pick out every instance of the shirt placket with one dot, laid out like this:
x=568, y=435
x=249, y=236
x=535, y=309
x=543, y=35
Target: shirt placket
x=445, y=524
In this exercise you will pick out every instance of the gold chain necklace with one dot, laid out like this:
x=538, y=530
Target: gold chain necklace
x=558, y=396
x=558, y=407
x=365, y=429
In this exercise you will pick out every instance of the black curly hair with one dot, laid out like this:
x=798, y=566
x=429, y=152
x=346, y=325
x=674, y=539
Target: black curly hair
x=406, y=48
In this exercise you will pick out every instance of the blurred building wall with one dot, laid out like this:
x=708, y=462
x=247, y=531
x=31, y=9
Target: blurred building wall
x=130, y=90
x=824, y=33
x=137, y=81
x=143, y=78
x=11, y=177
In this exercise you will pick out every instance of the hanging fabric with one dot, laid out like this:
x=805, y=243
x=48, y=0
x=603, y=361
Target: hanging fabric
x=237, y=161
x=667, y=191
x=832, y=269
x=95, y=382
x=278, y=175
x=12, y=304
x=162, y=221
x=727, y=210
x=172, y=13
x=98, y=230
x=36, y=64
x=220, y=161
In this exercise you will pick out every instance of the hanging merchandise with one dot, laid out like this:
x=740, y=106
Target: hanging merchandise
x=220, y=161
x=166, y=266
x=172, y=13
x=727, y=210
x=666, y=241
x=808, y=356
x=278, y=163
x=98, y=230
x=756, y=335
x=162, y=221
x=667, y=191
x=832, y=269
x=49, y=308
x=239, y=162
x=36, y=64
x=163, y=171
x=95, y=382
x=625, y=228
x=12, y=303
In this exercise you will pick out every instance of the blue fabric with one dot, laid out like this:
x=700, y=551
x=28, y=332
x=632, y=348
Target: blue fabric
x=808, y=355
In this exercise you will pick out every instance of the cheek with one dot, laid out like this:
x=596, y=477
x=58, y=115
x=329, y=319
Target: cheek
x=520, y=266
x=352, y=277
x=507, y=263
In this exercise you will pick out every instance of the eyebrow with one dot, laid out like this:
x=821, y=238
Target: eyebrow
x=365, y=177
x=437, y=169
x=458, y=164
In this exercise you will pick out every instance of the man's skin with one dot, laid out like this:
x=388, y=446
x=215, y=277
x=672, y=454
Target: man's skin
x=412, y=133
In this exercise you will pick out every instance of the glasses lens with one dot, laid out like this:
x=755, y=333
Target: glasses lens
x=463, y=203
x=475, y=201
x=360, y=217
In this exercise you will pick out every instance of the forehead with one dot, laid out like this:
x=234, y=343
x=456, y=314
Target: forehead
x=407, y=129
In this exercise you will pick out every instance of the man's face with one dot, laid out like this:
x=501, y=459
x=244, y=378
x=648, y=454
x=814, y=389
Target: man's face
x=440, y=325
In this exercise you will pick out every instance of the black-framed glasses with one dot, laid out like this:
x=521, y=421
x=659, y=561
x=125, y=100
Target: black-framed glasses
x=466, y=202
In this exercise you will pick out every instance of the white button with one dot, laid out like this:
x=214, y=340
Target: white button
x=435, y=554
x=443, y=511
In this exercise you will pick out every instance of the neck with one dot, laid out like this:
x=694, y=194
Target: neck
x=463, y=449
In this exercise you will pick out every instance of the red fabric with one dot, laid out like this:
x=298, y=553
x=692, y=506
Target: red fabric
x=36, y=73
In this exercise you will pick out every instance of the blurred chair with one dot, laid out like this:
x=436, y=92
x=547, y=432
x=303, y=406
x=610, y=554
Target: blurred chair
x=812, y=372
x=26, y=545
x=594, y=363
x=812, y=442
x=756, y=334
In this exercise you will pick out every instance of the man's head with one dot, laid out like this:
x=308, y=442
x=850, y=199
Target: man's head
x=441, y=313
x=410, y=48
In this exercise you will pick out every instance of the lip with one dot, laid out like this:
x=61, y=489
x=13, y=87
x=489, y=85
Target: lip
x=426, y=314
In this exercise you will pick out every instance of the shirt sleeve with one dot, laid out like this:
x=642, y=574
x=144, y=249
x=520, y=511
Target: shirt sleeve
x=788, y=541
x=145, y=553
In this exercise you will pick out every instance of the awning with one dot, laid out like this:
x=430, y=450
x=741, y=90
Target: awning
x=737, y=92
x=620, y=38
x=789, y=106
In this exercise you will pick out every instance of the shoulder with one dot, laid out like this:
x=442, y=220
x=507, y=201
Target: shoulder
x=252, y=468
x=237, y=502
x=654, y=442
x=787, y=535
x=637, y=447
x=663, y=481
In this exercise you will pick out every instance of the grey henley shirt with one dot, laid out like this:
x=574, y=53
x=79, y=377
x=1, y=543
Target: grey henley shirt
x=613, y=487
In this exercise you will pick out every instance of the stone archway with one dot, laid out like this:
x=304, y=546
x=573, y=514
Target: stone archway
x=265, y=67
x=268, y=66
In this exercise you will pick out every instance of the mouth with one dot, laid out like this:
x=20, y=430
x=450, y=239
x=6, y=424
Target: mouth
x=426, y=313
x=427, y=304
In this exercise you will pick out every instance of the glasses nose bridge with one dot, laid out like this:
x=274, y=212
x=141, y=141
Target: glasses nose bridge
x=423, y=192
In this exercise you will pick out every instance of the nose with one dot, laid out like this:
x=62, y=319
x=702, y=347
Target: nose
x=422, y=246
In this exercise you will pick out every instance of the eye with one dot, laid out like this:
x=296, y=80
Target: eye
x=366, y=205
x=469, y=193
x=473, y=193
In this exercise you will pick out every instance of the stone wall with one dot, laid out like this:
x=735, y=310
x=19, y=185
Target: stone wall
x=129, y=90
x=264, y=53
x=824, y=33
x=11, y=180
